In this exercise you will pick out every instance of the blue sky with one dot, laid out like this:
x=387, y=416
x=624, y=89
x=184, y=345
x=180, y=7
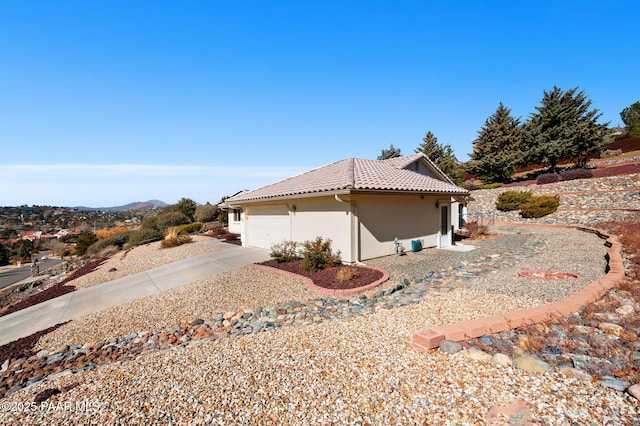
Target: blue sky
x=105, y=103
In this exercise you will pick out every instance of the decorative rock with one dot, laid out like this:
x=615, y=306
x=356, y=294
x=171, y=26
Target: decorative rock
x=477, y=354
x=612, y=329
x=195, y=322
x=502, y=360
x=614, y=383
x=531, y=364
x=519, y=413
x=625, y=310
x=576, y=373
x=634, y=391
x=450, y=346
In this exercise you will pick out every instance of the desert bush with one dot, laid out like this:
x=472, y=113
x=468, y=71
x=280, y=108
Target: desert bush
x=230, y=236
x=540, y=205
x=189, y=228
x=206, y=213
x=347, y=274
x=170, y=218
x=143, y=236
x=317, y=255
x=573, y=174
x=548, y=178
x=217, y=232
x=174, y=238
x=115, y=240
x=490, y=185
x=470, y=185
x=610, y=153
x=512, y=200
x=107, y=251
x=104, y=234
x=474, y=230
x=286, y=251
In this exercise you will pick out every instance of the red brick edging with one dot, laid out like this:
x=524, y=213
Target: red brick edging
x=329, y=291
x=430, y=338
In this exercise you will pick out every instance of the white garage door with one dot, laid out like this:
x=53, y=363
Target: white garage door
x=267, y=225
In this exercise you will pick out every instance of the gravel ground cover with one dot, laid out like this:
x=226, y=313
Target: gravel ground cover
x=352, y=370
x=244, y=288
x=142, y=258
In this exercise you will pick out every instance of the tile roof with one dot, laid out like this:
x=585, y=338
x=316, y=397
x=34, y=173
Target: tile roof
x=355, y=174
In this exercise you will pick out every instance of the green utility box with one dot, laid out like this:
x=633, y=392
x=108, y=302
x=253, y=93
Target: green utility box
x=416, y=246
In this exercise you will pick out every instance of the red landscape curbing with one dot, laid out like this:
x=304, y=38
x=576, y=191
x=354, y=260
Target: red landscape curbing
x=432, y=337
x=329, y=291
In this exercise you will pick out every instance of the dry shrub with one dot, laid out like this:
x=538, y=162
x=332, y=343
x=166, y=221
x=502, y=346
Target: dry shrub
x=104, y=234
x=347, y=274
x=548, y=178
x=108, y=251
x=174, y=238
x=475, y=230
x=216, y=232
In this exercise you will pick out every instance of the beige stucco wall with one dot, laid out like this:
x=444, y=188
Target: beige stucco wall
x=325, y=217
x=234, y=227
x=360, y=226
x=407, y=217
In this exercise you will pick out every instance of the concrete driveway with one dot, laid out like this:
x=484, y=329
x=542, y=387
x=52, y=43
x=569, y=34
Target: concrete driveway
x=78, y=303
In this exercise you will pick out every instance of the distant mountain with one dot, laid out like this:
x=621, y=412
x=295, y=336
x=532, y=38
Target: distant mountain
x=138, y=205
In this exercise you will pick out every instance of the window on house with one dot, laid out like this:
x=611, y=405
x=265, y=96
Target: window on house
x=236, y=215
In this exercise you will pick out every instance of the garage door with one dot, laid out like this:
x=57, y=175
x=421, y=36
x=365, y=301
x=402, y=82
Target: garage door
x=267, y=225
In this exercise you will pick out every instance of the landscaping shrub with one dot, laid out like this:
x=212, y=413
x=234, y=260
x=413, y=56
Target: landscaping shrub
x=189, y=228
x=230, y=236
x=512, y=200
x=286, y=251
x=576, y=174
x=470, y=185
x=548, y=178
x=317, y=255
x=474, y=230
x=347, y=274
x=115, y=240
x=143, y=236
x=539, y=206
x=490, y=185
x=217, y=232
x=174, y=238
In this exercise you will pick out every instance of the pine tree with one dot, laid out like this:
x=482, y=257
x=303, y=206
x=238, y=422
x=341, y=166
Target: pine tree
x=563, y=128
x=631, y=118
x=442, y=156
x=496, y=151
x=392, y=152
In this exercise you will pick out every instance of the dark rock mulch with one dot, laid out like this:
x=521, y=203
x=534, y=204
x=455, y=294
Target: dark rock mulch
x=327, y=278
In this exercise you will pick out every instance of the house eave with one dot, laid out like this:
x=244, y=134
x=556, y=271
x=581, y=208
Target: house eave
x=239, y=203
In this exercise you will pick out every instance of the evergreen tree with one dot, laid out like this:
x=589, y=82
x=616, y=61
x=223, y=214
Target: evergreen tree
x=392, y=152
x=206, y=212
x=85, y=239
x=187, y=207
x=631, y=118
x=4, y=255
x=563, y=128
x=442, y=156
x=496, y=151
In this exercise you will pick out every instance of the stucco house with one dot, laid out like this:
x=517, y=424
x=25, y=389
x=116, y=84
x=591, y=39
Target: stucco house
x=361, y=205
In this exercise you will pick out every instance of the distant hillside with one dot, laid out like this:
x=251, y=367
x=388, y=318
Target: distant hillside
x=138, y=205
